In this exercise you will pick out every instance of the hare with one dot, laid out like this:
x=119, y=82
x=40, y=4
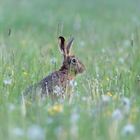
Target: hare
x=58, y=84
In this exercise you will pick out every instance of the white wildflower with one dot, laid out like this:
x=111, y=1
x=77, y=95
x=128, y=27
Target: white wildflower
x=49, y=120
x=128, y=129
x=121, y=60
x=58, y=90
x=17, y=132
x=7, y=81
x=74, y=126
x=136, y=20
x=77, y=23
x=74, y=117
x=117, y=115
x=103, y=50
x=106, y=98
x=35, y=132
x=125, y=101
x=23, y=106
x=74, y=131
x=11, y=107
x=82, y=44
x=47, y=90
x=73, y=83
x=53, y=60
x=84, y=98
x=126, y=43
x=126, y=104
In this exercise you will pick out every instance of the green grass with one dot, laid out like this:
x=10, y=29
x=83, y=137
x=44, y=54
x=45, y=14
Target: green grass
x=107, y=40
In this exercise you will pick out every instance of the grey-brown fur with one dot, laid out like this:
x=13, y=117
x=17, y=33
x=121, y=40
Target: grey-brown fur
x=58, y=80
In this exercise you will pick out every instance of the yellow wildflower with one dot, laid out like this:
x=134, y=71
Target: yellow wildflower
x=57, y=108
x=25, y=73
x=109, y=94
x=107, y=78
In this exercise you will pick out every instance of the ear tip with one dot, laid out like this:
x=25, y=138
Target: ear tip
x=71, y=40
x=61, y=38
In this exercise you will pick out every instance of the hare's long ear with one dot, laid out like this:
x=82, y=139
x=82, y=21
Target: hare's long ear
x=69, y=45
x=62, y=45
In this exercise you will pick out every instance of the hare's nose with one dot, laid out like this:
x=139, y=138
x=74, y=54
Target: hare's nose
x=81, y=68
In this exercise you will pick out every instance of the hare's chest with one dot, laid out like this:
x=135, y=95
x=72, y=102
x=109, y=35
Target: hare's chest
x=65, y=90
x=72, y=83
x=58, y=85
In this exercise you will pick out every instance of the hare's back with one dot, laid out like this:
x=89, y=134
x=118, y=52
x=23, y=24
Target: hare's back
x=53, y=83
x=48, y=84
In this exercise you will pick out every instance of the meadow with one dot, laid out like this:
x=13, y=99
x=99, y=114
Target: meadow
x=106, y=103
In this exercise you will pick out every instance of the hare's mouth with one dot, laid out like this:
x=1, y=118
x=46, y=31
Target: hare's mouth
x=79, y=70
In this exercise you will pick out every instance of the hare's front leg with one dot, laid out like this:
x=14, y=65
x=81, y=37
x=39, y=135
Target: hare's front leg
x=69, y=93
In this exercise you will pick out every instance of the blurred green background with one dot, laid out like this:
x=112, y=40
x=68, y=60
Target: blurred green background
x=107, y=38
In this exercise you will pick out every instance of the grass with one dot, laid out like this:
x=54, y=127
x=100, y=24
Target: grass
x=107, y=39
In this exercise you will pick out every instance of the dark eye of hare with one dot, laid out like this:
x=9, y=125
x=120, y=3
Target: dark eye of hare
x=73, y=61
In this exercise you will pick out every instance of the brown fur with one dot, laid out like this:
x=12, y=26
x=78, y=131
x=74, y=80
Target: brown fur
x=60, y=79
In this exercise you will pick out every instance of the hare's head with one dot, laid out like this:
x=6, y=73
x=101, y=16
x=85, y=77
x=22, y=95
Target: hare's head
x=70, y=62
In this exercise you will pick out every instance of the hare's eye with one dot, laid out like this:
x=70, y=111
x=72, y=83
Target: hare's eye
x=73, y=61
